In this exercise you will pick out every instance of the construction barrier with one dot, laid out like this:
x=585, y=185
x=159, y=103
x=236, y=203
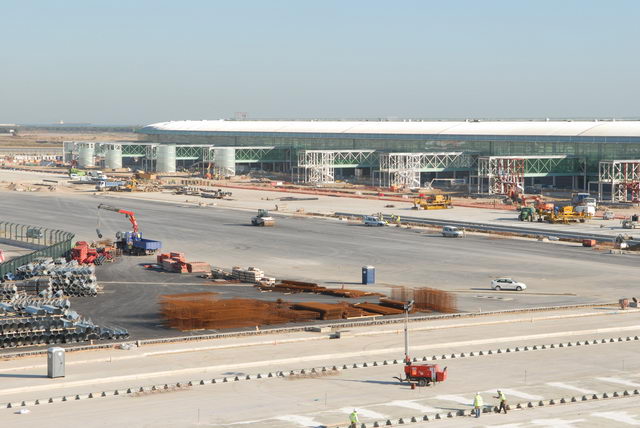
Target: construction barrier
x=47, y=243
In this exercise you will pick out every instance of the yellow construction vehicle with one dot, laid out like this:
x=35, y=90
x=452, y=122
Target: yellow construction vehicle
x=142, y=175
x=432, y=202
x=566, y=215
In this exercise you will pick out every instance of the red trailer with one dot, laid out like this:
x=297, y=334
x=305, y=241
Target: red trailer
x=423, y=374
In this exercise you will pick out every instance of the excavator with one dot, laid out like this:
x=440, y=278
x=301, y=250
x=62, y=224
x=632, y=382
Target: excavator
x=130, y=242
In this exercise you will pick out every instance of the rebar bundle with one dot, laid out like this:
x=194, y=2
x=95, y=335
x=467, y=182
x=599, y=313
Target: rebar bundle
x=426, y=298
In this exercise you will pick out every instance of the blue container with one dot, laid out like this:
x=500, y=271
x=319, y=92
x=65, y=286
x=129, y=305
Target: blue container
x=368, y=275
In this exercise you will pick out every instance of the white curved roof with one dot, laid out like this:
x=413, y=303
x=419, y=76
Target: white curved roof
x=527, y=128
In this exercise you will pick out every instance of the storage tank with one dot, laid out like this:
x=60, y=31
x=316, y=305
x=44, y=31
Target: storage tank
x=225, y=161
x=113, y=156
x=86, y=155
x=166, y=158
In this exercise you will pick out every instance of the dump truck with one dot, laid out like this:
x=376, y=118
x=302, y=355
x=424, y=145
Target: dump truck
x=263, y=219
x=432, y=202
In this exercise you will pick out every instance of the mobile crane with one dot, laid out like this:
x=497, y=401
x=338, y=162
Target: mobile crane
x=130, y=242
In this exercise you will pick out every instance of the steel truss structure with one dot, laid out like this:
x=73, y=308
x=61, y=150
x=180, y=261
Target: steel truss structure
x=503, y=175
x=403, y=169
x=624, y=178
x=319, y=166
x=254, y=154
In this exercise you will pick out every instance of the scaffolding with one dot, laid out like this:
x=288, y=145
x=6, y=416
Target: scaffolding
x=624, y=178
x=502, y=175
x=403, y=169
x=318, y=166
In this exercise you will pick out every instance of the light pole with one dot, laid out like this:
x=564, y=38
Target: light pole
x=407, y=307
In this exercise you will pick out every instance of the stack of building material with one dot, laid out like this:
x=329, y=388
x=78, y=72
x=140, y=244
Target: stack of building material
x=7, y=291
x=204, y=311
x=196, y=267
x=83, y=253
x=327, y=311
x=34, y=286
x=69, y=278
x=289, y=286
x=177, y=262
x=426, y=299
x=267, y=281
x=396, y=304
x=379, y=309
x=26, y=321
x=251, y=275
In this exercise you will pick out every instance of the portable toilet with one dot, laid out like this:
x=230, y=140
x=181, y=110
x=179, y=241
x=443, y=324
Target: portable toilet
x=55, y=362
x=368, y=275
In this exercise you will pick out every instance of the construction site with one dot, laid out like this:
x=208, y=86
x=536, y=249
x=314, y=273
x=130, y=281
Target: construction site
x=256, y=269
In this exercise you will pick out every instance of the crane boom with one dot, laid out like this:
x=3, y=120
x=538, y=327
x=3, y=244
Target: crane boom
x=130, y=215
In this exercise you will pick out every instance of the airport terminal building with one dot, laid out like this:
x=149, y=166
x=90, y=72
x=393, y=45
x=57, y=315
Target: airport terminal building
x=491, y=156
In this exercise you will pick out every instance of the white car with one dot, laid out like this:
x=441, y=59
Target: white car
x=452, y=232
x=507, y=284
x=373, y=221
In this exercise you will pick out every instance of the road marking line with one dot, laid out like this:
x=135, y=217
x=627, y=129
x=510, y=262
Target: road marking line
x=620, y=416
x=517, y=425
x=619, y=381
x=455, y=398
x=409, y=404
x=557, y=423
x=364, y=412
x=517, y=393
x=570, y=387
x=304, y=421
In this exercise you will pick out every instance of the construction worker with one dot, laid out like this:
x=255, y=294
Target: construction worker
x=477, y=404
x=503, y=402
x=353, y=419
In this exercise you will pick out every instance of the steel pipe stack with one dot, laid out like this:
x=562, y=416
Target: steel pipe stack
x=7, y=291
x=27, y=320
x=44, y=277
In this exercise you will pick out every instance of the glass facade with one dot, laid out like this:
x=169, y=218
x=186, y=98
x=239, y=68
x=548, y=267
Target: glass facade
x=593, y=149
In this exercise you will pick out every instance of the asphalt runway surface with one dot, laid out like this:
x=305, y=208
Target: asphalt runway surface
x=327, y=251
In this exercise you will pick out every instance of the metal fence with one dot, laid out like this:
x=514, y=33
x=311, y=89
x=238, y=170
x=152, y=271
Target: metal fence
x=49, y=242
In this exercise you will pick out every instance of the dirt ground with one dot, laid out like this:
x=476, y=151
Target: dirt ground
x=46, y=138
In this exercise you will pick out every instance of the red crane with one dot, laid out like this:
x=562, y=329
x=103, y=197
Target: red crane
x=130, y=215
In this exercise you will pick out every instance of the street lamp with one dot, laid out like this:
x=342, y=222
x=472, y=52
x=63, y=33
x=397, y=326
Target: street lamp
x=407, y=307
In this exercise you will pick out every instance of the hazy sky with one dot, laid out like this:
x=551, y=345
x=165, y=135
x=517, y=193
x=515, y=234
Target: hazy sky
x=137, y=62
